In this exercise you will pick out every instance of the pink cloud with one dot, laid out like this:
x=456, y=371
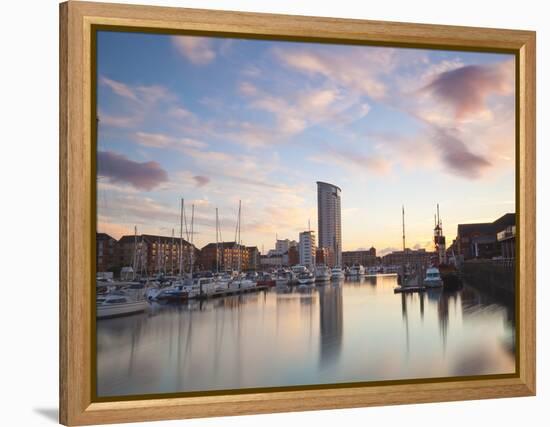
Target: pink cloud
x=117, y=168
x=458, y=157
x=201, y=180
x=466, y=89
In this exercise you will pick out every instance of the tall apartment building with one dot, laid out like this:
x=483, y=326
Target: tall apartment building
x=307, y=248
x=329, y=217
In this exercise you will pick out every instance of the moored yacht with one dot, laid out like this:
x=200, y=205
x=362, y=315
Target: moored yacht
x=322, y=273
x=337, y=274
x=284, y=278
x=433, y=278
x=357, y=271
x=306, y=278
x=118, y=304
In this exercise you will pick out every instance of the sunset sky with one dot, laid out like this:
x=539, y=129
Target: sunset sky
x=218, y=120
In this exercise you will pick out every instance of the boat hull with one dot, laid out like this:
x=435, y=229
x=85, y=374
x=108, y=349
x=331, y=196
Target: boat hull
x=433, y=283
x=123, y=309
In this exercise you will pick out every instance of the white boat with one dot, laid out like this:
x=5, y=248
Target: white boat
x=242, y=282
x=357, y=271
x=284, y=278
x=118, y=304
x=298, y=269
x=306, y=278
x=206, y=286
x=175, y=292
x=322, y=273
x=433, y=278
x=337, y=274
x=222, y=282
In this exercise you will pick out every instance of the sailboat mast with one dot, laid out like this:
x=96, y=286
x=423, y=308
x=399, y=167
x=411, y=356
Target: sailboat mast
x=172, y=255
x=217, y=245
x=403, y=220
x=192, y=238
x=134, y=262
x=239, y=236
x=180, y=260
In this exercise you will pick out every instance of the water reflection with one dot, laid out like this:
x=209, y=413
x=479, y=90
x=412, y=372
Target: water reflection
x=339, y=332
x=331, y=323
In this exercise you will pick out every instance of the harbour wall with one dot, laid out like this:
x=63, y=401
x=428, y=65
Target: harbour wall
x=490, y=276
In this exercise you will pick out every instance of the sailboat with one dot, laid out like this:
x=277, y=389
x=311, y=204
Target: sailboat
x=182, y=288
x=241, y=282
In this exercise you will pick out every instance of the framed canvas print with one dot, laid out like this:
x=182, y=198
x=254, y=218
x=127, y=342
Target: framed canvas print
x=265, y=213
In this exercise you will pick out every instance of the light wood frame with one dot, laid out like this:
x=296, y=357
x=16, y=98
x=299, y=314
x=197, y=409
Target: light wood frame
x=77, y=223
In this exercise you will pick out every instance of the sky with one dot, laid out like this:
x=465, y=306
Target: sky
x=218, y=120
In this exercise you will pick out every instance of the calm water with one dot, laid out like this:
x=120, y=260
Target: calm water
x=355, y=331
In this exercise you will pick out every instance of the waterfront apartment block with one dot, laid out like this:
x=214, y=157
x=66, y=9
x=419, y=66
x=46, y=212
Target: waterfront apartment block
x=105, y=252
x=307, y=248
x=359, y=257
x=409, y=256
x=227, y=256
x=329, y=217
x=481, y=240
x=150, y=254
x=253, y=257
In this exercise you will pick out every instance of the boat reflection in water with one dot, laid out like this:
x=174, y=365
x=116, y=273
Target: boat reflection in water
x=347, y=331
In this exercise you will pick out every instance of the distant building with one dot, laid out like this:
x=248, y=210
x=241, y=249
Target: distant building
x=105, y=252
x=323, y=256
x=307, y=248
x=507, y=240
x=360, y=257
x=253, y=257
x=271, y=262
x=329, y=219
x=408, y=256
x=150, y=254
x=226, y=256
x=293, y=256
x=480, y=240
x=282, y=246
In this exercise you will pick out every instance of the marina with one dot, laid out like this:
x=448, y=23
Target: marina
x=356, y=329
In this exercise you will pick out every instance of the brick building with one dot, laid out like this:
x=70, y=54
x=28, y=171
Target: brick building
x=361, y=257
x=105, y=252
x=225, y=256
x=149, y=254
x=408, y=256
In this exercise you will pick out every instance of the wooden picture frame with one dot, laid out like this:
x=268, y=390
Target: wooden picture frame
x=77, y=224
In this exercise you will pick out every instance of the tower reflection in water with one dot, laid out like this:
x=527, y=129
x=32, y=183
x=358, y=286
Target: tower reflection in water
x=331, y=323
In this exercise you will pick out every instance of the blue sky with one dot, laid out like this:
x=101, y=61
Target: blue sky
x=215, y=120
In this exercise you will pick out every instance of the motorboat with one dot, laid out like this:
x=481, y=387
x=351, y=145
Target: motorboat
x=205, y=286
x=357, y=271
x=222, y=282
x=242, y=282
x=266, y=279
x=306, y=278
x=337, y=274
x=118, y=304
x=433, y=278
x=284, y=278
x=322, y=273
x=174, y=292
